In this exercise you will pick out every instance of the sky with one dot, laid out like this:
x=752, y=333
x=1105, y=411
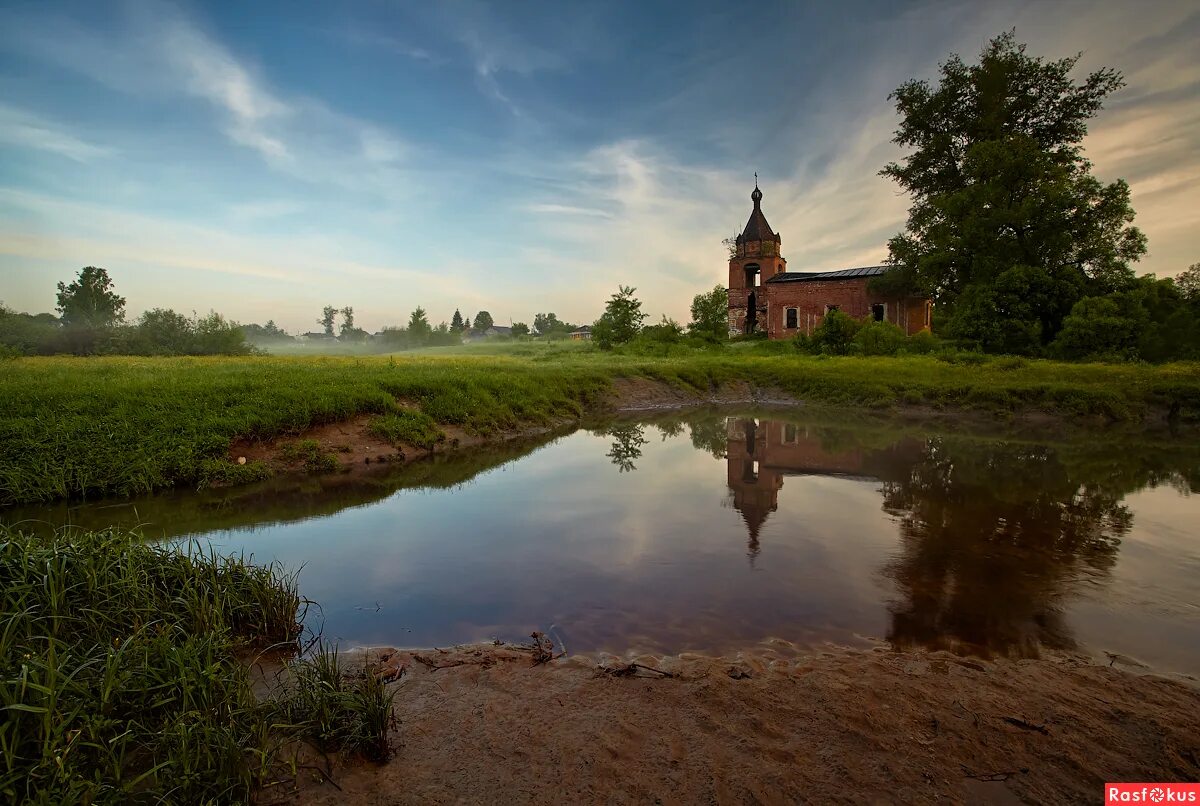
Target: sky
x=266, y=159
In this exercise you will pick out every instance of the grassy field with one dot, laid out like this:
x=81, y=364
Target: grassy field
x=124, y=675
x=75, y=427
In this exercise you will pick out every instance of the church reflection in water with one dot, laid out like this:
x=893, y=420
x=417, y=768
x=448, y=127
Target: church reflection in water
x=993, y=535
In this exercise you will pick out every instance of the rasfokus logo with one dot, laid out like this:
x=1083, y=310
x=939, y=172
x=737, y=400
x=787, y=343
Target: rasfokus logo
x=1151, y=793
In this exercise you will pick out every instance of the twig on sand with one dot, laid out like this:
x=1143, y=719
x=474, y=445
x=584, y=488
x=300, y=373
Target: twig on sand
x=433, y=667
x=324, y=774
x=631, y=670
x=542, y=648
x=1023, y=725
x=992, y=776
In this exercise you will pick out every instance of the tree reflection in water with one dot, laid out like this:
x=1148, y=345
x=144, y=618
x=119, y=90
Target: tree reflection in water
x=628, y=439
x=994, y=535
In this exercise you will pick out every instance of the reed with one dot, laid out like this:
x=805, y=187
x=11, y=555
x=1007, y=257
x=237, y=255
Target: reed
x=123, y=674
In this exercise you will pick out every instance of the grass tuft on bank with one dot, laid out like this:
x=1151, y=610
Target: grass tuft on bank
x=123, y=676
x=86, y=427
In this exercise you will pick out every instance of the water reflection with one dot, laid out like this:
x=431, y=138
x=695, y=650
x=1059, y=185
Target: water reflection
x=276, y=502
x=628, y=440
x=994, y=535
x=719, y=531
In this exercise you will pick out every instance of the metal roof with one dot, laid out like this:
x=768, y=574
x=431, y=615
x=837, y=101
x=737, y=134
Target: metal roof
x=839, y=274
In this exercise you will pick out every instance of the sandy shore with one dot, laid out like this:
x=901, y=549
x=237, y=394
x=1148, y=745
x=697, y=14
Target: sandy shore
x=483, y=724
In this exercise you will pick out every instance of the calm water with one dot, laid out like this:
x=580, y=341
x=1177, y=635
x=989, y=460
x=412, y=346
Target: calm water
x=712, y=532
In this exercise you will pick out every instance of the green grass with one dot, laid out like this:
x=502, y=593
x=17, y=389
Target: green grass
x=308, y=453
x=122, y=678
x=412, y=427
x=75, y=427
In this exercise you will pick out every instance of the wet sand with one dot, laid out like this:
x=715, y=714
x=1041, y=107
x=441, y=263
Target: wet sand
x=483, y=724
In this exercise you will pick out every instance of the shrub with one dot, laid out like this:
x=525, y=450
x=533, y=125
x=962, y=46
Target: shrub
x=1097, y=326
x=835, y=333
x=921, y=343
x=879, y=338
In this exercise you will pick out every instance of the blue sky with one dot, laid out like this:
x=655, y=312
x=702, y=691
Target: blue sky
x=265, y=159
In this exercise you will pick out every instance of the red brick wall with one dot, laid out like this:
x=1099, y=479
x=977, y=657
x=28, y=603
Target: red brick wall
x=850, y=296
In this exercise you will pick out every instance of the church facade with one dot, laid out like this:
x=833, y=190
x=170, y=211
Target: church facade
x=765, y=297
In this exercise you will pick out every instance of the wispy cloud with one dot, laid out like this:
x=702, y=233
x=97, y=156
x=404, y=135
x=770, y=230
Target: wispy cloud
x=24, y=129
x=567, y=209
x=393, y=43
x=159, y=52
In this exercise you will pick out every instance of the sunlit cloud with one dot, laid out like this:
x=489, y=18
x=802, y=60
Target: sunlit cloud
x=466, y=158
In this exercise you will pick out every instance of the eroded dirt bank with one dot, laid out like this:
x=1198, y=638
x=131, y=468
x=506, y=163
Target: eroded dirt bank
x=483, y=725
x=352, y=447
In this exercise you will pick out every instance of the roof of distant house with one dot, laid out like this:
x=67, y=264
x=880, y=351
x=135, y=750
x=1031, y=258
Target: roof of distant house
x=583, y=329
x=502, y=329
x=838, y=274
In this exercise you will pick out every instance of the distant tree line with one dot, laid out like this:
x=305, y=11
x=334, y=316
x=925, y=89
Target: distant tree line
x=91, y=320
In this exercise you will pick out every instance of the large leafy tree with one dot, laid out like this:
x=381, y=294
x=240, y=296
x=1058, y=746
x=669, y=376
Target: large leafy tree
x=328, y=317
x=710, y=315
x=90, y=301
x=419, y=329
x=483, y=320
x=1008, y=228
x=1188, y=282
x=622, y=319
x=547, y=324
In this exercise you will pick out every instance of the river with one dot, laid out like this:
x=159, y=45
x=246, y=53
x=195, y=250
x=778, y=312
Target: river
x=712, y=531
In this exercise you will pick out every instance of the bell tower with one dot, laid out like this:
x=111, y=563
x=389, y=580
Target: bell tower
x=756, y=259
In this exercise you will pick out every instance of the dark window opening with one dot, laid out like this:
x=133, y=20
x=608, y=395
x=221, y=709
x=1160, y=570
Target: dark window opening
x=790, y=318
x=830, y=308
x=878, y=311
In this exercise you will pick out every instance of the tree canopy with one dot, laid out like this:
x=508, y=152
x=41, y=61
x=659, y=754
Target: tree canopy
x=483, y=320
x=548, y=324
x=1008, y=228
x=328, y=316
x=90, y=301
x=1188, y=283
x=710, y=315
x=621, y=321
x=419, y=329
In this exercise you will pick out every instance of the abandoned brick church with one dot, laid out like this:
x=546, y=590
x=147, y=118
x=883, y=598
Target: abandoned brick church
x=765, y=297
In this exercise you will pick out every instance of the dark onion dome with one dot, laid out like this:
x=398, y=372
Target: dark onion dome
x=757, y=228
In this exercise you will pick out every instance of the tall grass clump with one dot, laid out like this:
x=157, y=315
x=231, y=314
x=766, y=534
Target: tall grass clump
x=122, y=676
x=412, y=427
x=307, y=452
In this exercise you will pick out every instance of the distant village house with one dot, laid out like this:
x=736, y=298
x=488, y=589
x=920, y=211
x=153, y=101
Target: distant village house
x=765, y=297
